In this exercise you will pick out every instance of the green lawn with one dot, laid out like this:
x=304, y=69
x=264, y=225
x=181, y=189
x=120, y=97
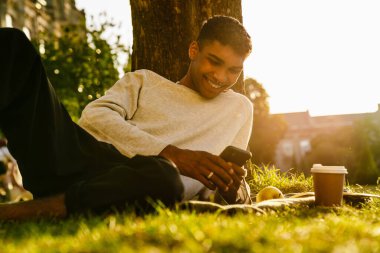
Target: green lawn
x=314, y=229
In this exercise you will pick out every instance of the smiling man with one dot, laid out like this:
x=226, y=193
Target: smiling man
x=146, y=138
x=189, y=122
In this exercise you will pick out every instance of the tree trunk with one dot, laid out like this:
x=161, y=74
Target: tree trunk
x=164, y=29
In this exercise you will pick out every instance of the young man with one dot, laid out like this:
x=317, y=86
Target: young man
x=189, y=123
x=69, y=171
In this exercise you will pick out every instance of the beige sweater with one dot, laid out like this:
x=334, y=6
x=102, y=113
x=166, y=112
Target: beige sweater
x=144, y=112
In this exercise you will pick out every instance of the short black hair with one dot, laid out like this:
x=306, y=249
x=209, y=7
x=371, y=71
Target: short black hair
x=228, y=31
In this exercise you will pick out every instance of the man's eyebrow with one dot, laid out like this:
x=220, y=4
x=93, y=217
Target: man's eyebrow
x=216, y=58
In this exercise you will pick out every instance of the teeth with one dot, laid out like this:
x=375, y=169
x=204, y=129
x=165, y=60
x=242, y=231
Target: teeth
x=214, y=85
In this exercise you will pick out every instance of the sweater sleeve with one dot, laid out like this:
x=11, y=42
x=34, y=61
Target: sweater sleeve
x=107, y=118
x=243, y=136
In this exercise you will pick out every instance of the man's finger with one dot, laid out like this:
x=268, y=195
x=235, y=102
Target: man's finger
x=214, y=178
x=206, y=182
x=231, y=171
x=240, y=171
x=211, y=179
x=229, y=166
x=219, y=183
x=219, y=171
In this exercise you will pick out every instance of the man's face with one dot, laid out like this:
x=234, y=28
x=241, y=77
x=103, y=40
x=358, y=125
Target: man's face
x=214, y=68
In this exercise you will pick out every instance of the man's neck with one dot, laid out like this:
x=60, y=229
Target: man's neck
x=186, y=81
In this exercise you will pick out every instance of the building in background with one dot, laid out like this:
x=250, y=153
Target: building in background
x=302, y=128
x=41, y=18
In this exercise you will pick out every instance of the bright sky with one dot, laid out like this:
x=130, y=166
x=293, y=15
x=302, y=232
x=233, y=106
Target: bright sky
x=322, y=56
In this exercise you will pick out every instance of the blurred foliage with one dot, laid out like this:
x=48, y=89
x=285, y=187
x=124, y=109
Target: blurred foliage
x=332, y=148
x=267, y=129
x=356, y=147
x=81, y=65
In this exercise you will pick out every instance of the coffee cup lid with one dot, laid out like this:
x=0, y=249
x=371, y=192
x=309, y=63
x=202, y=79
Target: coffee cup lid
x=319, y=168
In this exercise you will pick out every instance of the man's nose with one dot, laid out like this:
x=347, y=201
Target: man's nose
x=221, y=76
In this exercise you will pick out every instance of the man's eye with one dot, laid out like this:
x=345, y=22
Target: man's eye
x=213, y=62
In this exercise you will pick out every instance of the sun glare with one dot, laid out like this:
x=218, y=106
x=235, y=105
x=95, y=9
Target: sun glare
x=321, y=56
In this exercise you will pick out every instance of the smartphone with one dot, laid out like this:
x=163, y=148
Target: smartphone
x=235, y=155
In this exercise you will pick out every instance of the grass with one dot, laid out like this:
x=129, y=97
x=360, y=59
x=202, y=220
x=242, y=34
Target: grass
x=345, y=229
x=288, y=182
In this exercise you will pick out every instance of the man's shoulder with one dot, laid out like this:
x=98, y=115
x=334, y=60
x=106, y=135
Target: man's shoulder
x=238, y=101
x=142, y=78
x=239, y=98
x=148, y=75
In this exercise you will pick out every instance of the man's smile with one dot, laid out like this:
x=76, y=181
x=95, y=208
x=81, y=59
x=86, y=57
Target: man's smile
x=214, y=84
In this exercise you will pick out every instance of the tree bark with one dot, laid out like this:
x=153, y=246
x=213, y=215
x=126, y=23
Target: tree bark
x=164, y=29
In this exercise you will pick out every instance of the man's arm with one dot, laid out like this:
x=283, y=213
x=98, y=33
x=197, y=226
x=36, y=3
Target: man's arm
x=107, y=118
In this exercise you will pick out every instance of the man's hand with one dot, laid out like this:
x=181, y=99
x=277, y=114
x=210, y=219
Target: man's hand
x=231, y=195
x=209, y=169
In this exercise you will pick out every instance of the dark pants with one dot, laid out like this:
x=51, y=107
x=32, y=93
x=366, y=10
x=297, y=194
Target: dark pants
x=55, y=155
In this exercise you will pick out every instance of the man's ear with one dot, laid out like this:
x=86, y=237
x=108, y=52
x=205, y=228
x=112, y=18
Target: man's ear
x=193, y=50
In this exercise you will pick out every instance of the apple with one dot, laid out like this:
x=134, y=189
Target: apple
x=269, y=192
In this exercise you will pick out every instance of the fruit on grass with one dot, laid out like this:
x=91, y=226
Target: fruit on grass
x=269, y=192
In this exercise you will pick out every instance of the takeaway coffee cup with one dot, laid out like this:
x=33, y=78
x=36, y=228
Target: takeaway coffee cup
x=328, y=184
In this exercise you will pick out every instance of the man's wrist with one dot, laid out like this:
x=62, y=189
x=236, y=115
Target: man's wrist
x=169, y=154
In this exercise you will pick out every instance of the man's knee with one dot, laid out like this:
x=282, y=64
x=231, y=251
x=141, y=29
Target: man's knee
x=163, y=179
x=171, y=182
x=17, y=52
